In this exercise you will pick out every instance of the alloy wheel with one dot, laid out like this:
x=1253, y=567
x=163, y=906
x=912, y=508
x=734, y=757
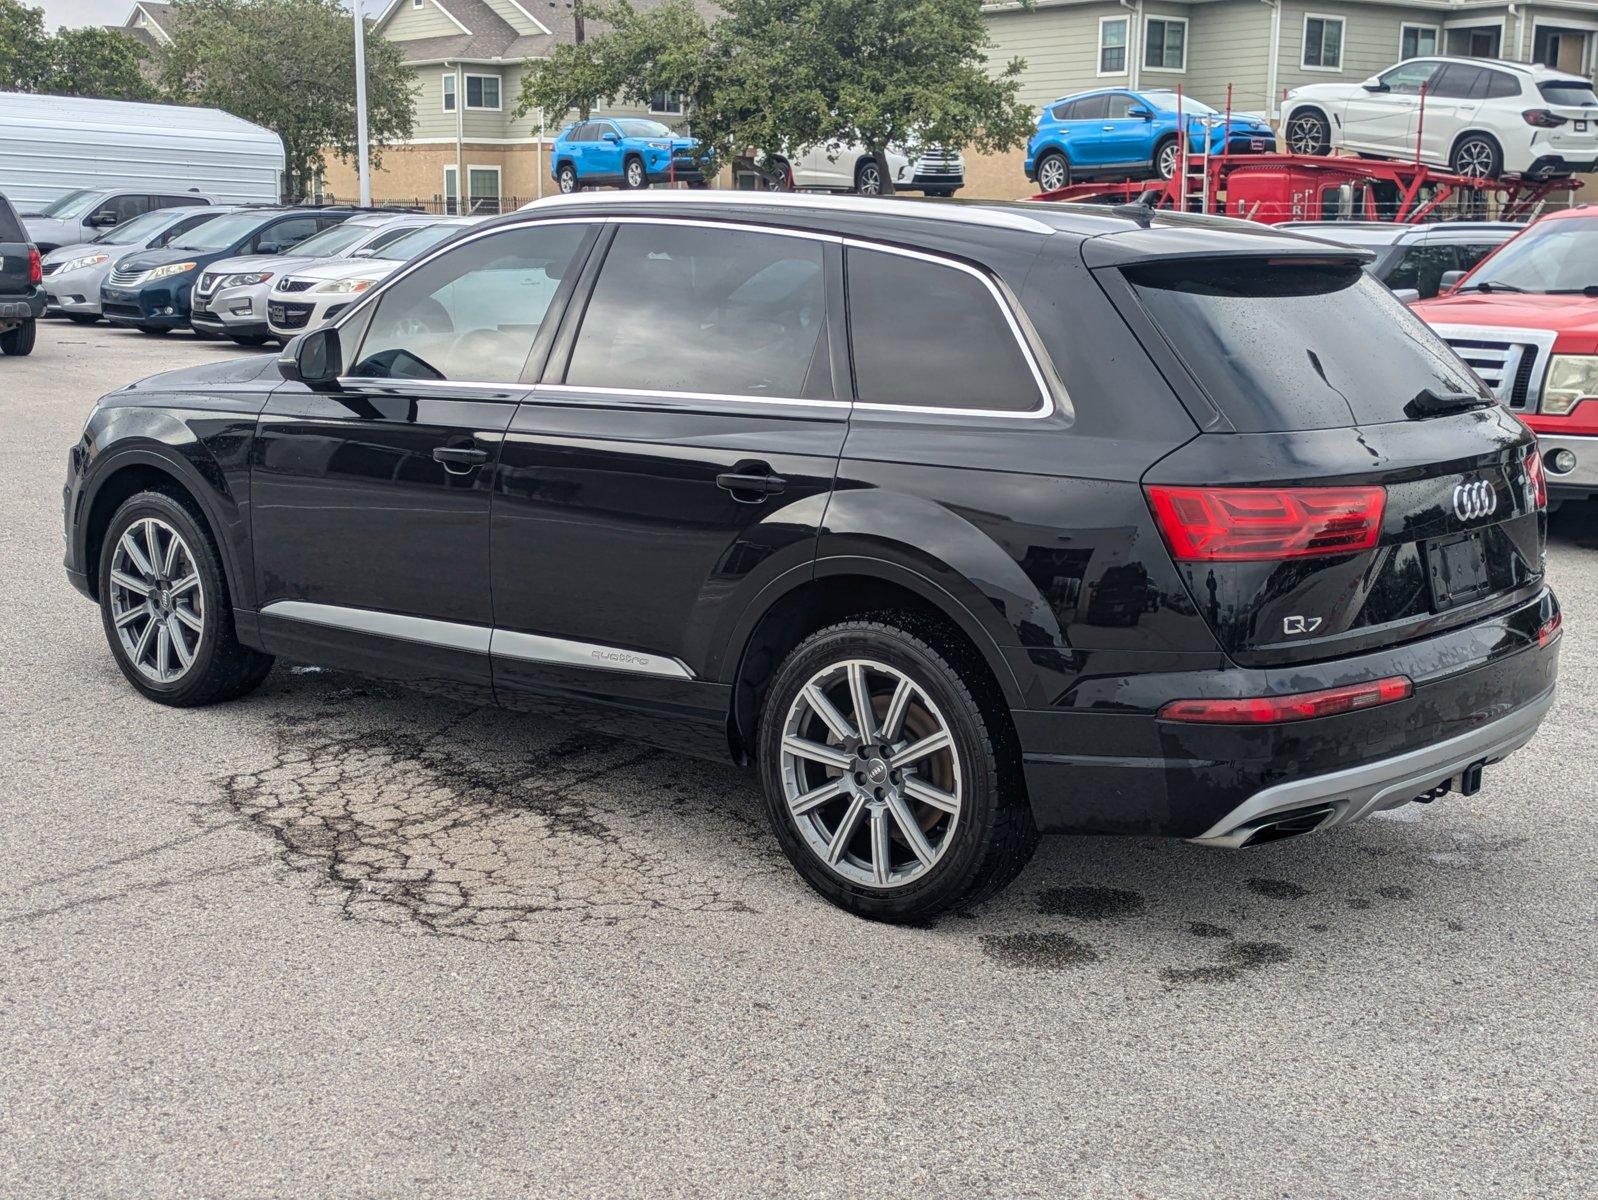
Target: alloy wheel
x=1166, y=165
x=1474, y=158
x=1304, y=135
x=635, y=173
x=870, y=180
x=568, y=181
x=157, y=600
x=1052, y=173
x=870, y=774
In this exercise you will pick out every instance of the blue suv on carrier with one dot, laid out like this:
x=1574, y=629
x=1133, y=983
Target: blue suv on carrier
x=629, y=152
x=1115, y=132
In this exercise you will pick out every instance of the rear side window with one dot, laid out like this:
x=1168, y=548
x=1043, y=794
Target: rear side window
x=1278, y=345
x=713, y=311
x=1501, y=86
x=933, y=336
x=10, y=227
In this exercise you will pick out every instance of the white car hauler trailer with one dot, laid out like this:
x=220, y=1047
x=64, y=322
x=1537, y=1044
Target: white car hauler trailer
x=52, y=145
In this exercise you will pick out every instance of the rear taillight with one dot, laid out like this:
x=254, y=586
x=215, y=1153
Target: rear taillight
x=1205, y=524
x=1302, y=706
x=1537, y=478
x=35, y=266
x=1542, y=118
x=1549, y=629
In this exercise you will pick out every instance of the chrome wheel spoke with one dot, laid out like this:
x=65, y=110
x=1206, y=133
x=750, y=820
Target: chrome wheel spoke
x=129, y=546
x=189, y=619
x=152, y=544
x=143, y=644
x=916, y=751
x=938, y=798
x=816, y=752
x=860, y=695
x=163, y=650
x=892, y=719
x=846, y=829
x=131, y=615
x=123, y=580
x=174, y=630
x=910, y=829
x=881, y=846
x=184, y=584
x=828, y=712
x=816, y=797
x=169, y=563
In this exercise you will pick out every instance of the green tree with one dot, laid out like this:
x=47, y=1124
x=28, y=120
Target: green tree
x=24, y=53
x=771, y=77
x=289, y=65
x=94, y=61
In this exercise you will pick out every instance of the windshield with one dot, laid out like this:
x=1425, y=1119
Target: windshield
x=416, y=241
x=1551, y=256
x=1280, y=346
x=146, y=225
x=638, y=128
x=1577, y=92
x=73, y=204
x=334, y=241
x=218, y=234
x=1166, y=102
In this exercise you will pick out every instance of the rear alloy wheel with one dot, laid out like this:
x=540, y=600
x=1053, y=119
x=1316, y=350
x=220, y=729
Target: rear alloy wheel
x=19, y=341
x=1476, y=155
x=868, y=178
x=1165, y=156
x=566, y=177
x=1308, y=133
x=633, y=176
x=1054, y=171
x=887, y=782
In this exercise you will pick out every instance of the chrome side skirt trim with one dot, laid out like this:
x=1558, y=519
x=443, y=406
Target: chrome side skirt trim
x=480, y=639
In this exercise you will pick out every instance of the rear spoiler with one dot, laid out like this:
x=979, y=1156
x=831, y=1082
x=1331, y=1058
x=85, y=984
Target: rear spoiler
x=1189, y=235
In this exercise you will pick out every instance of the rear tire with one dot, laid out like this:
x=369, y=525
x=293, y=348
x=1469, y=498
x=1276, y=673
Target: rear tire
x=868, y=177
x=19, y=341
x=1478, y=156
x=168, y=601
x=566, y=177
x=1053, y=171
x=876, y=829
x=1308, y=132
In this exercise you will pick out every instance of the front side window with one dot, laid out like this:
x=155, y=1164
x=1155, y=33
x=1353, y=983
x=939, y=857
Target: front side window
x=472, y=313
x=217, y=234
x=711, y=311
x=1112, y=46
x=1408, y=79
x=136, y=230
x=332, y=241
x=1165, y=45
x=73, y=204
x=930, y=335
x=284, y=235
x=482, y=91
x=1416, y=40
x=1121, y=106
x=1422, y=268
x=1323, y=43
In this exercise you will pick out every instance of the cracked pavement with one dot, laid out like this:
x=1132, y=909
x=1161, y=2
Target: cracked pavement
x=345, y=940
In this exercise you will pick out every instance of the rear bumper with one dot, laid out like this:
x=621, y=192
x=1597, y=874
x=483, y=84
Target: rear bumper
x=1476, y=690
x=1551, y=165
x=1582, y=479
x=15, y=309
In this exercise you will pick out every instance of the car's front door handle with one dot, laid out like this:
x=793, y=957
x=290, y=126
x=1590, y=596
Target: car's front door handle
x=751, y=488
x=459, y=459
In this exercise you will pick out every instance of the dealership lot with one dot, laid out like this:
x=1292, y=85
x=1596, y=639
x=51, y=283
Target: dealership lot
x=342, y=939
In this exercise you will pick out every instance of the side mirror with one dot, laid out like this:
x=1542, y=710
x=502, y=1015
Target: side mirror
x=1375, y=85
x=612, y=136
x=1450, y=280
x=1141, y=113
x=366, y=253
x=269, y=248
x=1407, y=295
x=103, y=218
x=315, y=359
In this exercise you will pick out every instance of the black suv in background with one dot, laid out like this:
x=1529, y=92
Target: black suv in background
x=956, y=523
x=153, y=291
x=22, y=296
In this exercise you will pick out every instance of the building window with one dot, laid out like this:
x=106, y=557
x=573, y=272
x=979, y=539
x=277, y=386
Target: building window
x=1417, y=40
x=451, y=191
x=1475, y=41
x=1112, y=45
x=482, y=189
x=1165, y=44
x=416, y=3
x=482, y=91
x=1323, y=43
x=449, y=92
x=665, y=102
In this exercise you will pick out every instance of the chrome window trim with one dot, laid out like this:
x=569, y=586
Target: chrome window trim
x=480, y=639
x=512, y=393
x=1047, y=408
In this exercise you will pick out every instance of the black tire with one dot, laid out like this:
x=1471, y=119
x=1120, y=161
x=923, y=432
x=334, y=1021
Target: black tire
x=154, y=330
x=566, y=177
x=634, y=175
x=1308, y=132
x=83, y=318
x=1478, y=155
x=994, y=835
x=19, y=341
x=781, y=177
x=204, y=335
x=1053, y=165
x=1165, y=156
x=868, y=177
x=250, y=339
x=939, y=193
x=221, y=668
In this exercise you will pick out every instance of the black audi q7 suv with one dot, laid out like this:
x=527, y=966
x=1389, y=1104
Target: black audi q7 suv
x=957, y=523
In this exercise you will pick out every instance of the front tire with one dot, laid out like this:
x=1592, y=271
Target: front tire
x=251, y=340
x=165, y=609
x=1309, y=133
x=19, y=341
x=154, y=330
x=890, y=775
x=1165, y=156
x=1477, y=156
x=1054, y=171
x=634, y=178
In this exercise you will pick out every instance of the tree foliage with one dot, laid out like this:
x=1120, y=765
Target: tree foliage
x=70, y=62
x=289, y=65
x=774, y=76
x=22, y=47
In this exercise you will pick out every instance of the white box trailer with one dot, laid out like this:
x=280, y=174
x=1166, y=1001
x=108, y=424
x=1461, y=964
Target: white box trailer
x=52, y=145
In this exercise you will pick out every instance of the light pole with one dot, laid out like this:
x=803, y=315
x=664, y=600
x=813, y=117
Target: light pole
x=363, y=158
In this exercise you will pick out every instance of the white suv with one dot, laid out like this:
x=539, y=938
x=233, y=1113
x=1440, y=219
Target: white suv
x=838, y=168
x=1482, y=117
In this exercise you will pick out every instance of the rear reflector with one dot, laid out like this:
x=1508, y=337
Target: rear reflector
x=1303, y=706
x=1549, y=629
x=1204, y=524
x=1537, y=477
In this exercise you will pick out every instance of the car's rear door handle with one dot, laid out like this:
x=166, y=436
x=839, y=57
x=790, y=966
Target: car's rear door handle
x=749, y=487
x=459, y=459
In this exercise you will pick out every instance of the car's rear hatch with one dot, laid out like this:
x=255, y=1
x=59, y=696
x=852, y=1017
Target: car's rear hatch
x=16, y=251
x=1355, y=486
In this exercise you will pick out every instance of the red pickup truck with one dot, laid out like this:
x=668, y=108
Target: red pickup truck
x=1526, y=318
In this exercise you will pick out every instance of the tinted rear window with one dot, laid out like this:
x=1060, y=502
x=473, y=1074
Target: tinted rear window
x=1279, y=346
x=1576, y=92
x=10, y=227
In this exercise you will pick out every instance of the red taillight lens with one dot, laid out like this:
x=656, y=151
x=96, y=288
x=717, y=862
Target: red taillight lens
x=1537, y=478
x=1542, y=118
x=1202, y=524
x=1549, y=629
x=35, y=266
x=1273, y=710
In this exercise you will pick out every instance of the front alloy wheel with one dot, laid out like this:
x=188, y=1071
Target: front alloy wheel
x=157, y=600
x=1165, y=160
x=1307, y=133
x=635, y=174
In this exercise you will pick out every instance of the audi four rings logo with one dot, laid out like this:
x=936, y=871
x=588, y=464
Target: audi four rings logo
x=1475, y=500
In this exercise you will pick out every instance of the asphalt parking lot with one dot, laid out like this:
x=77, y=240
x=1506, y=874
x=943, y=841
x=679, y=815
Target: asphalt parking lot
x=343, y=940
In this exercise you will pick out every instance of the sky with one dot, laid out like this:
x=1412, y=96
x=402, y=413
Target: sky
x=82, y=12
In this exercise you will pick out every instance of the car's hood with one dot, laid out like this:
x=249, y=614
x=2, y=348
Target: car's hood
x=52, y=229
x=323, y=270
x=83, y=250
x=1326, y=91
x=245, y=263
x=1577, y=315
x=146, y=260
x=209, y=376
